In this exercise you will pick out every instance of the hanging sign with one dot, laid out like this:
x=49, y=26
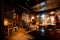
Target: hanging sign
x=14, y=15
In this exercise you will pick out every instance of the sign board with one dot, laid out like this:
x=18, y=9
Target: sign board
x=14, y=15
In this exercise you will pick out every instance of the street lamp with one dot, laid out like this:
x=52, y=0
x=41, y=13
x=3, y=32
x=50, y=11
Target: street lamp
x=5, y=22
x=32, y=18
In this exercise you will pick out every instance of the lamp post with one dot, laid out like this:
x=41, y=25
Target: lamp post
x=6, y=23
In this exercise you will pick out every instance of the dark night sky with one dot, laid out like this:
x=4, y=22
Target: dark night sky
x=27, y=4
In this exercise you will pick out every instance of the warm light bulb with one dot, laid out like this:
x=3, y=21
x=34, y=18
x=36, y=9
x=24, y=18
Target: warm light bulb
x=5, y=22
x=32, y=18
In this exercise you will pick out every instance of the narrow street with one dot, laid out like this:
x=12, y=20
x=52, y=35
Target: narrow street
x=30, y=20
x=22, y=34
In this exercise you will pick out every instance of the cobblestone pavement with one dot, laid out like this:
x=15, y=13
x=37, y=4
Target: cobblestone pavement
x=21, y=35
